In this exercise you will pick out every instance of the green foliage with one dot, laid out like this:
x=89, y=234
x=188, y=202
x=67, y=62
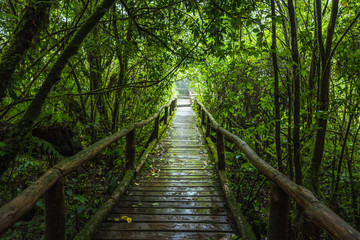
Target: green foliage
x=126, y=68
x=45, y=147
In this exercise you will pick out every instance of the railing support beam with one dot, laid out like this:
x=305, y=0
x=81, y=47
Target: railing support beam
x=278, y=215
x=208, y=126
x=156, y=128
x=130, y=149
x=202, y=117
x=166, y=115
x=55, y=211
x=220, y=147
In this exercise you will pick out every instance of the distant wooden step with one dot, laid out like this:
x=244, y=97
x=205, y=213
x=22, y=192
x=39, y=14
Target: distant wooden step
x=181, y=198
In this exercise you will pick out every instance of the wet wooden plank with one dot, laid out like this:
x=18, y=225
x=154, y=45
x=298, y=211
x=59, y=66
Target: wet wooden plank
x=173, y=218
x=164, y=179
x=174, y=176
x=170, y=180
x=173, y=211
x=161, y=226
x=182, y=204
x=186, y=168
x=179, y=184
x=180, y=194
x=187, y=172
x=162, y=235
x=176, y=189
x=165, y=164
x=188, y=157
x=172, y=199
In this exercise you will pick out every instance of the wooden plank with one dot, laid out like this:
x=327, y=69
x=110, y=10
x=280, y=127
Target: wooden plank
x=180, y=194
x=166, y=180
x=176, y=189
x=186, y=172
x=163, y=226
x=172, y=198
x=190, y=169
x=173, y=211
x=183, y=204
x=178, y=166
x=184, y=163
x=173, y=218
x=179, y=184
x=162, y=235
x=192, y=176
x=179, y=174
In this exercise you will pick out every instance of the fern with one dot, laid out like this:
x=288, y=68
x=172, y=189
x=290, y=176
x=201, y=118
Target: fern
x=46, y=147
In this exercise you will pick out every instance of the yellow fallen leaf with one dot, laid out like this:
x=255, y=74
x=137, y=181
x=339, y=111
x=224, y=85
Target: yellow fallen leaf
x=191, y=171
x=174, y=153
x=116, y=219
x=126, y=218
x=137, y=184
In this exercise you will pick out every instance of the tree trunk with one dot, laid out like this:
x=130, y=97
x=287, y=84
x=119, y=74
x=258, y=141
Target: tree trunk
x=15, y=138
x=123, y=64
x=312, y=178
x=279, y=202
x=34, y=18
x=297, y=95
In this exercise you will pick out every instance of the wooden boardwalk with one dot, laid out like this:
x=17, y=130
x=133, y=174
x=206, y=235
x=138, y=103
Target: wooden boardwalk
x=179, y=198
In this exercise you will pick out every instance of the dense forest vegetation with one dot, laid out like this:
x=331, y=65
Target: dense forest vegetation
x=282, y=75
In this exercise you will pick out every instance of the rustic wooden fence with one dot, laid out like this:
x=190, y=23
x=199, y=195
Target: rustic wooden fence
x=50, y=185
x=314, y=210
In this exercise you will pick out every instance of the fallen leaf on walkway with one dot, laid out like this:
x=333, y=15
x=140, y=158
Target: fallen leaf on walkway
x=126, y=218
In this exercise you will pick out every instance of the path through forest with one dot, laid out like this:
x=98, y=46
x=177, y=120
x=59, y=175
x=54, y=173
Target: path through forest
x=180, y=197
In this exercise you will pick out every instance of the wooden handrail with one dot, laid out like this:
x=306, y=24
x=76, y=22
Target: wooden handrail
x=24, y=201
x=314, y=210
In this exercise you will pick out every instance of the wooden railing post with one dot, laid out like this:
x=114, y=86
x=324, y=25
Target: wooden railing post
x=156, y=128
x=130, y=149
x=278, y=214
x=208, y=126
x=166, y=115
x=220, y=147
x=55, y=211
x=202, y=117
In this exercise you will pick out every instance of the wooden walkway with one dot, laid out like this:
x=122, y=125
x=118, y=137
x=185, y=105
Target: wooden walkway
x=179, y=198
